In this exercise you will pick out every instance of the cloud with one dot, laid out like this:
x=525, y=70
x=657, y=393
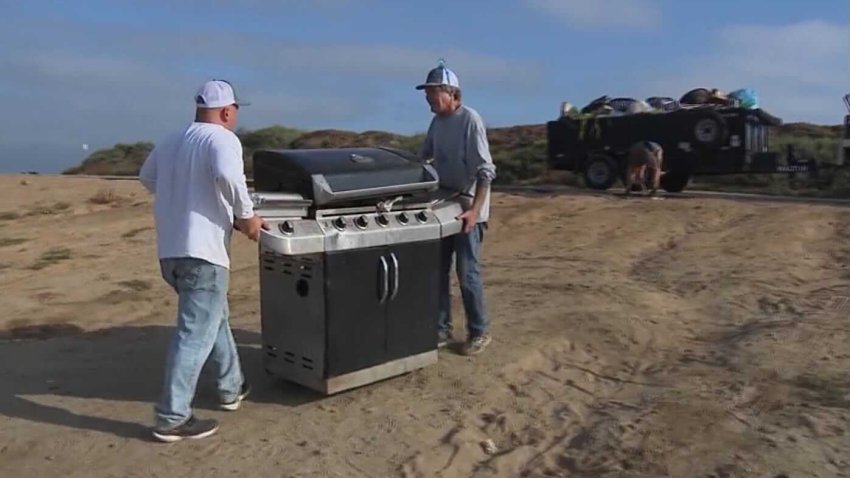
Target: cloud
x=280, y=108
x=265, y=6
x=378, y=62
x=631, y=14
x=309, y=84
x=138, y=85
x=800, y=70
x=71, y=71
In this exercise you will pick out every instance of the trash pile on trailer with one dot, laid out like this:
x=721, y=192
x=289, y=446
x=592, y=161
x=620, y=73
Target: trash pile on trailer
x=607, y=106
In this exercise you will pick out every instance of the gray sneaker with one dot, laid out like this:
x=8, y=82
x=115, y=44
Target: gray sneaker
x=237, y=402
x=476, y=345
x=443, y=338
x=192, y=428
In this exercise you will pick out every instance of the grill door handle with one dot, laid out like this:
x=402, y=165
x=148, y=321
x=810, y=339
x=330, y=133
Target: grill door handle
x=384, y=280
x=395, y=276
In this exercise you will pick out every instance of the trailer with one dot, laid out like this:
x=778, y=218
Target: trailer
x=697, y=140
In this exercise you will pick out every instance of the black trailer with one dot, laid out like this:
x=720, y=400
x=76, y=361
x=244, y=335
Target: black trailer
x=697, y=140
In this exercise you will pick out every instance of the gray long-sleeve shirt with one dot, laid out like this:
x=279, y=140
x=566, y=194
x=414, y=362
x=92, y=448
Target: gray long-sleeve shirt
x=458, y=143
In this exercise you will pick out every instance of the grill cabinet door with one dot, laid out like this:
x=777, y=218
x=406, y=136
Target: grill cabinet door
x=413, y=305
x=356, y=315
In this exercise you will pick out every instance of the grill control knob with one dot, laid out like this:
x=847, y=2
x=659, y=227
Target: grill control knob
x=286, y=227
x=422, y=216
x=403, y=218
x=382, y=220
x=361, y=222
x=340, y=223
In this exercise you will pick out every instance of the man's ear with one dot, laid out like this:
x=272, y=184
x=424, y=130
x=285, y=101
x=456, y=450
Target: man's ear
x=225, y=114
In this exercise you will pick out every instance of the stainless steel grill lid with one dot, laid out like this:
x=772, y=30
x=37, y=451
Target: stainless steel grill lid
x=331, y=200
x=342, y=175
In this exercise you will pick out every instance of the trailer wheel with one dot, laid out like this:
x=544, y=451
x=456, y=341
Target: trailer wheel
x=674, y=183
x=600, y=172
x=709, y=131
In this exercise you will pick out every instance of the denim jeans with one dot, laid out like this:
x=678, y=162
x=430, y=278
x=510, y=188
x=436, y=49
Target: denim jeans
x=203, y=332
x=466, y=248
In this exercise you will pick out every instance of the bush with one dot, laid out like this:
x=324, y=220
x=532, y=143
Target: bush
x=273, y=137
x=120, y=160
x=412, y=144
x=822, y=149
x=105, y=196
x=522, y=164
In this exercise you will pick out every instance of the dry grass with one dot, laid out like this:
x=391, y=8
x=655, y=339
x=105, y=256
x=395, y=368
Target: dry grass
x=106, y=196
x=136, y=284
x=54, y=208
x=825, y=388
x=53, y=256
x=12, y=241
x=40, y=331
x=133, y=232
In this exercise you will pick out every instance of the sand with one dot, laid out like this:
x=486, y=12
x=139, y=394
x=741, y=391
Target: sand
x=690, y=337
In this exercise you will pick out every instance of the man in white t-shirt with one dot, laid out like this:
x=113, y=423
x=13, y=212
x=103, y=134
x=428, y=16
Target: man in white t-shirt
x=200, y=195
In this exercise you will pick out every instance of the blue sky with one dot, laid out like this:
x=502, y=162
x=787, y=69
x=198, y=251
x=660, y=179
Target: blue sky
x=100, y=72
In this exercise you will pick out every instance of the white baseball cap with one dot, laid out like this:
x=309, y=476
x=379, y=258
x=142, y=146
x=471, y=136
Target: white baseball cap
x=440, y=76
x=216, y=94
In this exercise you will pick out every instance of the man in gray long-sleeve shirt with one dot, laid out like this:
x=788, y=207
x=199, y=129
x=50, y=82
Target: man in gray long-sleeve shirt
x=457, y=141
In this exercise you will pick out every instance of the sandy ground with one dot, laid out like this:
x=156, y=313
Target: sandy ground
x=684, y=338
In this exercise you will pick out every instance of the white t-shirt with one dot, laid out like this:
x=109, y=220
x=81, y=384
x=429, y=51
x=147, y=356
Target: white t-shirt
x=198, y=181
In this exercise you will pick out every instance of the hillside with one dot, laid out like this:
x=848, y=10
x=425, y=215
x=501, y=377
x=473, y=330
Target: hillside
x=518, y=151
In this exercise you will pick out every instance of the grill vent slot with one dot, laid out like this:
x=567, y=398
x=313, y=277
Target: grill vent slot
x=290, y=358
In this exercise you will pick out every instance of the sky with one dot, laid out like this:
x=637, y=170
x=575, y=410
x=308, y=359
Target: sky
x=82, y=76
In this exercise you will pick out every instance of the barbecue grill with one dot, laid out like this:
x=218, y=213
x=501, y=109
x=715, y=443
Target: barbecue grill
x=349, y=268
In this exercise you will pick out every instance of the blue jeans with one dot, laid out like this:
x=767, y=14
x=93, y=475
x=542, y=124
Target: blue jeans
x=467, y=251
x=203, y=332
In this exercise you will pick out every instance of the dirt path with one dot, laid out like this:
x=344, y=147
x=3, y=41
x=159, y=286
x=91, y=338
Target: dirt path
x=681, y=338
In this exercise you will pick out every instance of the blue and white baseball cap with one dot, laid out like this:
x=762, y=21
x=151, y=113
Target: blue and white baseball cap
x=440, y=76
x=216, y=94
